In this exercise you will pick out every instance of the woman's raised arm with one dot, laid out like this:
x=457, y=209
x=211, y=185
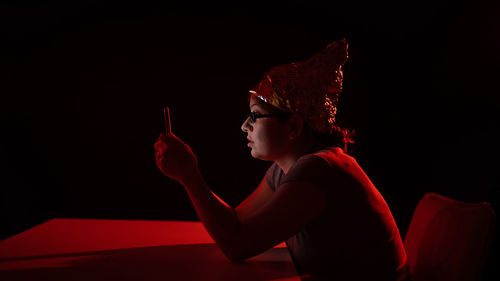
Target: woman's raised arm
x=259, y=225
x=250, y=205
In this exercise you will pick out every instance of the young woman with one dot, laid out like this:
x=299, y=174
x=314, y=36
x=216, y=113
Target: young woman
x=314, y=196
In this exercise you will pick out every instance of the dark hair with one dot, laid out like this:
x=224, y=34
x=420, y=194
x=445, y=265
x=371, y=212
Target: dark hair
x=339, y=137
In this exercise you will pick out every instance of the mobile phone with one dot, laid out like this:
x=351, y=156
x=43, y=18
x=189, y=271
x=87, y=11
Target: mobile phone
x=166, y=120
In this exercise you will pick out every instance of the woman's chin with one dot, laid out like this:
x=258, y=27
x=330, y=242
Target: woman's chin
x=259, y=156
x=255, y=154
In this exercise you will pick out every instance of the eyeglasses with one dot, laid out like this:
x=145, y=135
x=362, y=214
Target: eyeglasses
x=254, y=116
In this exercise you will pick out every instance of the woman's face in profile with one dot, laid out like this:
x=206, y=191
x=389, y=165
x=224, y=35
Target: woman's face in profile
x=267, y=136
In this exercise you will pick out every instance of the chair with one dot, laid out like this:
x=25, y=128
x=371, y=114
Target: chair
x=449, y=239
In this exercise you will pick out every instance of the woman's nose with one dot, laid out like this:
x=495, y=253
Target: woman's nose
x=245, y=127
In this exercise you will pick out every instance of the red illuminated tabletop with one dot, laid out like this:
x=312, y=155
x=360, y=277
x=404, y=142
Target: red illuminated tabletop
x=90, y=249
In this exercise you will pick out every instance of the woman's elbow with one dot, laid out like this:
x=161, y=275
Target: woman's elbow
x=238, y=250
x=233, y=255
x=236, y=254
x=235, y=258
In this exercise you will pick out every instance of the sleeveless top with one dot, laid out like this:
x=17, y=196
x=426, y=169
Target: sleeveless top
x=355, y=237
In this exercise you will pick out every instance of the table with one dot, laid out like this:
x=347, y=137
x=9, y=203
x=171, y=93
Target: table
x=98, y=249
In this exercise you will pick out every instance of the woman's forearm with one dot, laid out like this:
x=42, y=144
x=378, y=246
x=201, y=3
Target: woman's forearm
x=218, y=217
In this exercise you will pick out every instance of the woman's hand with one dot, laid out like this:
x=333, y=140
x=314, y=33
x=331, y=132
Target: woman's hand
x=174, y=158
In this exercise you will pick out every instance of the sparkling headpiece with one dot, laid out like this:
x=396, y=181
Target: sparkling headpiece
x=310, y=88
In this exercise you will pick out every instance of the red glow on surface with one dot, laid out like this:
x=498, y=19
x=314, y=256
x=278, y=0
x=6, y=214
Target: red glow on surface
x=89, y=249
x=62, y=236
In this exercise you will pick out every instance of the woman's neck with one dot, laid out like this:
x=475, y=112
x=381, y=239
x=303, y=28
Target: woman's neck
x=286, y=161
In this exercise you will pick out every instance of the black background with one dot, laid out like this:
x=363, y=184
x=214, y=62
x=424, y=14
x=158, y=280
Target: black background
x=84, y=83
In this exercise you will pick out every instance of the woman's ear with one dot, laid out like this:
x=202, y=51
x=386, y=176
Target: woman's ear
x=296, y=126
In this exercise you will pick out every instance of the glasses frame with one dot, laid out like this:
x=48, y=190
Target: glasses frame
x=254, y=116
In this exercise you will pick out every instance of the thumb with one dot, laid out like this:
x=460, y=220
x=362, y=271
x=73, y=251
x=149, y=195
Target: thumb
x=171, y=138
x=171, y=135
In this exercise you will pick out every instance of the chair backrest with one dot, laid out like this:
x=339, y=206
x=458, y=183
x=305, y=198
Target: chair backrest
x=449, y=239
